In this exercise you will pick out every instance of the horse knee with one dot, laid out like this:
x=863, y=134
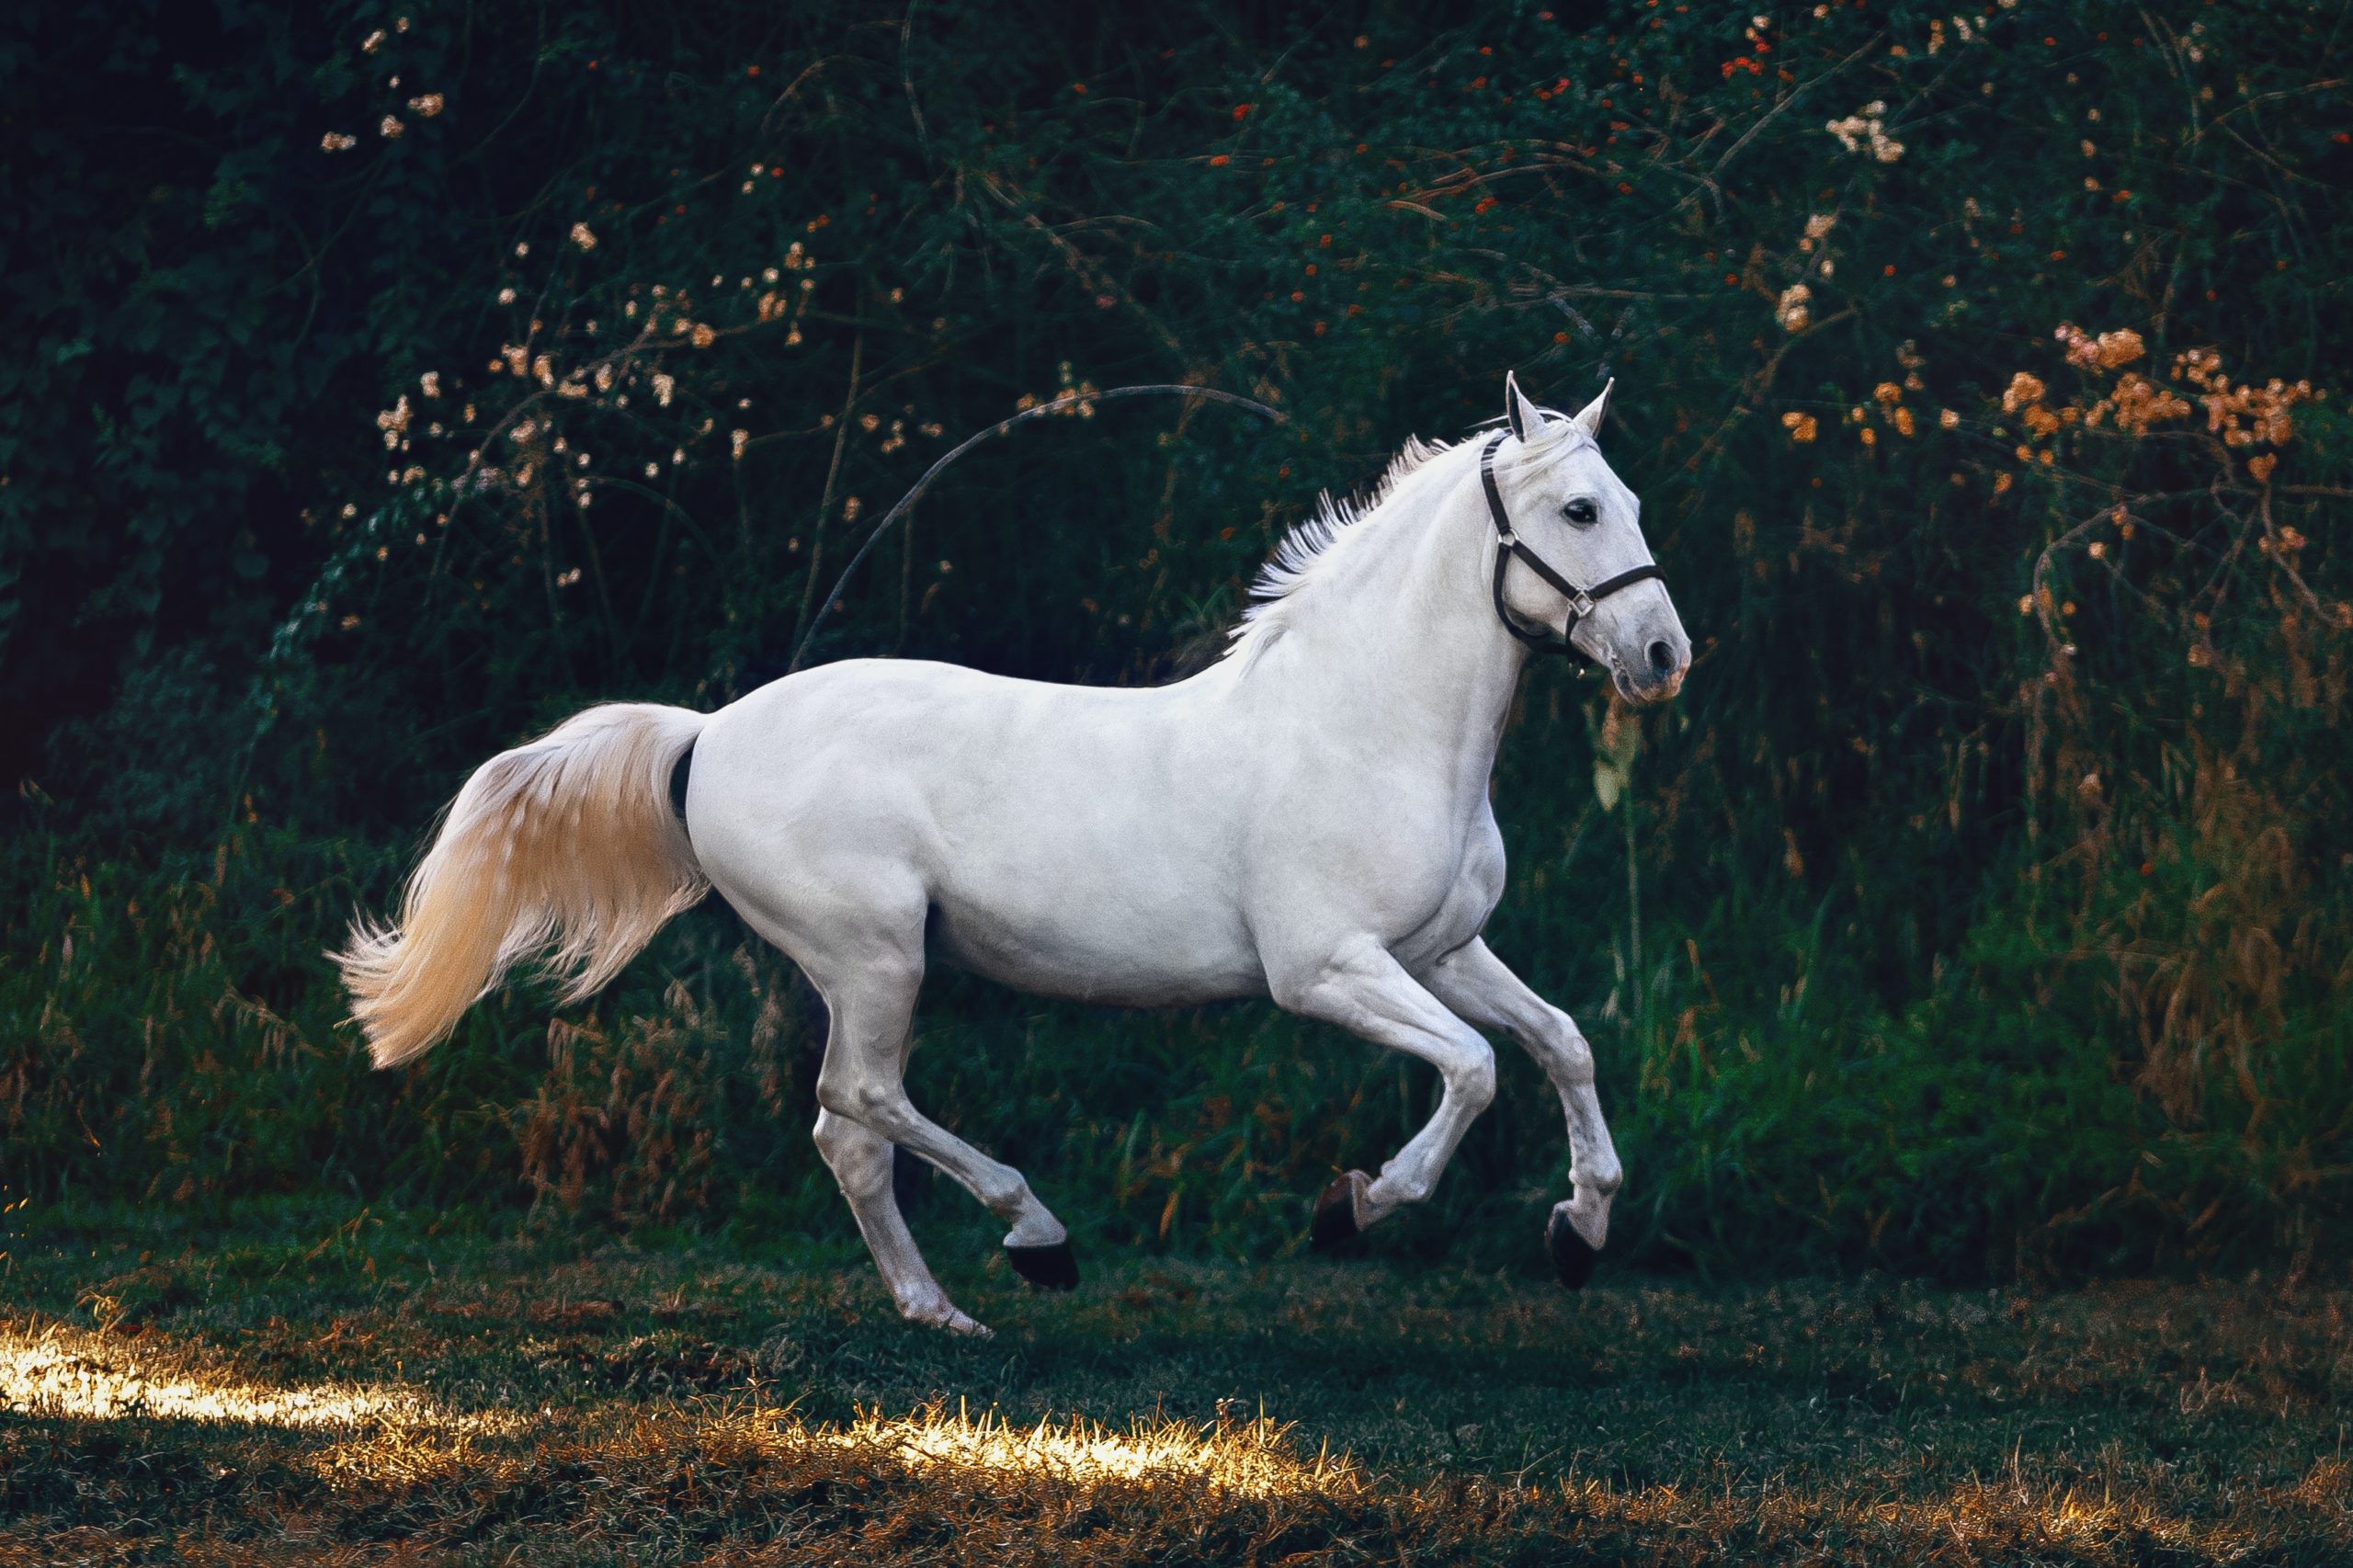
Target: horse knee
x=1570, y=1059
x=1471, y=1078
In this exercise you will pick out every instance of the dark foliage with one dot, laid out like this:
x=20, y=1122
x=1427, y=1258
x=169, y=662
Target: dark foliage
x=386, y=383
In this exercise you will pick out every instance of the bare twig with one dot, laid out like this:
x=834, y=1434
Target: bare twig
x=907, y=80
x=906, y=503
x=826, y=502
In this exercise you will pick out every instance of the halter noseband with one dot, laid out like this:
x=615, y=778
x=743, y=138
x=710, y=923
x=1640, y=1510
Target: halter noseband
x=1509, y=547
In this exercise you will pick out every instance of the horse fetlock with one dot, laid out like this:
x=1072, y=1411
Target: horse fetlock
x=1004, y=1192
x=1392, y=1190
x=1587, y=1214
x=928, y=1304
x=956, y=1320
x=1603, y=1176
x=1034, y=1226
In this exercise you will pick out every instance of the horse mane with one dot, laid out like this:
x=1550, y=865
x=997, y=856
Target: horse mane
x=1296, y=555
x=1307, y=547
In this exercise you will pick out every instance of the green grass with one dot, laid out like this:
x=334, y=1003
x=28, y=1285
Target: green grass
x=553, y=1396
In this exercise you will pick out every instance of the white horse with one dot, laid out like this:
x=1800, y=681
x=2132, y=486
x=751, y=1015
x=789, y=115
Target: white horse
x=1307, y=820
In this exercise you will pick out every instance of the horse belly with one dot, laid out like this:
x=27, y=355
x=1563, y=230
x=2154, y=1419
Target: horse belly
x=1069, y=841
x=1109, y=942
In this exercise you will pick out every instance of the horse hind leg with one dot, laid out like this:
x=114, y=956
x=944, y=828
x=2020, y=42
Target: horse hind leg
x=864, y=957
x=861, y=1163
x=858, y=1085
x=863, y=1083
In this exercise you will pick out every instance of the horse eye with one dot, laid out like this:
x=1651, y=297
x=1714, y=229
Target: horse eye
x=1581, y=513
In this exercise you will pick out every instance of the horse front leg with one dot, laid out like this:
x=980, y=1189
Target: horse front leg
x=1476, y=985
x=1364, y=990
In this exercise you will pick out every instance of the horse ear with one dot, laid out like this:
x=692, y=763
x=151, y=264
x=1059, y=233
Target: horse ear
x=1521, y=414
x=1589, y=416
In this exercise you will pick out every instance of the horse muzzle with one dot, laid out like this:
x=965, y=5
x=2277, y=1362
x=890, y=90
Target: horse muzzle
x=1648, y=665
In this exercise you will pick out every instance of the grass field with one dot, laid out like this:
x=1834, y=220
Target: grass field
x=298, y=1386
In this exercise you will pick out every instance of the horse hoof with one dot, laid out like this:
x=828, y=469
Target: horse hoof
x=1047, y=1267
x=1335, y=1220
x=1572, y=1255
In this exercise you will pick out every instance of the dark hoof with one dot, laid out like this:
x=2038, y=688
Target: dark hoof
x=1049, y=1267
x=1573, y=1258
x=1334, y=1218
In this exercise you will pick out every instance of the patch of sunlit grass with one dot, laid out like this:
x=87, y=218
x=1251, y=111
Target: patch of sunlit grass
x=1244, y=1459
x=75, y=1375
x=401, y=1456
x=2002, y=1520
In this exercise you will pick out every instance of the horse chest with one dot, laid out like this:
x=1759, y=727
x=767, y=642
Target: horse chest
x=1459, y=913
x=1421, y=875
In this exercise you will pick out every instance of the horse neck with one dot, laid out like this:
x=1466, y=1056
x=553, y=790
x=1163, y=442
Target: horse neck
x=1405, y=646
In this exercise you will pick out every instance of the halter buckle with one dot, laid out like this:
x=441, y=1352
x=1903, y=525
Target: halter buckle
x=1583, y=604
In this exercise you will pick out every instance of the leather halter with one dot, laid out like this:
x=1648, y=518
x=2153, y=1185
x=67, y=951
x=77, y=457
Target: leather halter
x=1508, y=548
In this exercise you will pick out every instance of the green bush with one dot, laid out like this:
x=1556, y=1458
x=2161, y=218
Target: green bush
x=1981, y=906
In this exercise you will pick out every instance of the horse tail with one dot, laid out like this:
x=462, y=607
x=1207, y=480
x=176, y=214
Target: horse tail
x=574, y=845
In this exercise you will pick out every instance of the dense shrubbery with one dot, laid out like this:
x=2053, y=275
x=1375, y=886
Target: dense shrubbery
x=388, y=383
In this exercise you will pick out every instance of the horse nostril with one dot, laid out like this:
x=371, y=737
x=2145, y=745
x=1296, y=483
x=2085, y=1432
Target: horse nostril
x=1662, y=659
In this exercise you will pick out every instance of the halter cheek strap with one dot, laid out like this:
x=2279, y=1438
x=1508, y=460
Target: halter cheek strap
x=1508, y=549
